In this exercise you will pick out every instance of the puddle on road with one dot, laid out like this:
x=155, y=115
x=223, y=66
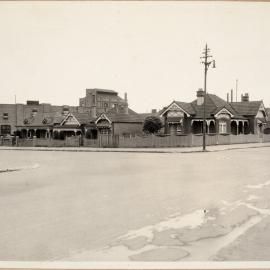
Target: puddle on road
x=259, y=185
x=203, y=249
x=252, y=197
x=192, y=220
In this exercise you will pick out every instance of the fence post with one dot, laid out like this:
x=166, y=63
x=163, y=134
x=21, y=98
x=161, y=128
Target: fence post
x=34, y=141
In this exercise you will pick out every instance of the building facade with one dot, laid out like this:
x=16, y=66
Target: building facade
x=222, y=117
x=99, y=112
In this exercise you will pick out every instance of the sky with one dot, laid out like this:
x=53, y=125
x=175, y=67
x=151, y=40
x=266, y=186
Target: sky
x=53, y=51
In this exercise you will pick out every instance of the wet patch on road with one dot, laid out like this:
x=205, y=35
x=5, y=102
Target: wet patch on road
x=22, y=168
x=193, y=237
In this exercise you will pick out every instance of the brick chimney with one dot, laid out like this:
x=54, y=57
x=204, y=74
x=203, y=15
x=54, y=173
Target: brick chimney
x=126, y=104
x=200, y=96
x=245, y=97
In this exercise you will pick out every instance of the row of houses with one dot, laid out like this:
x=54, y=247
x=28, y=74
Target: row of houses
x=102, y=111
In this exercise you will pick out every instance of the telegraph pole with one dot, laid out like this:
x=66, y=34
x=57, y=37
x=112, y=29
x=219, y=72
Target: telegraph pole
x=15, y=114
x=236, y=89
x=206, y=63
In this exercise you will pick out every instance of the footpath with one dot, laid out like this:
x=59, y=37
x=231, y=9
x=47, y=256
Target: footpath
x=212, y=148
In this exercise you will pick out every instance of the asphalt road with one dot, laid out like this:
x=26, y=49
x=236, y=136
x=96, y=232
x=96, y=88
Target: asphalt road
x=134, y=206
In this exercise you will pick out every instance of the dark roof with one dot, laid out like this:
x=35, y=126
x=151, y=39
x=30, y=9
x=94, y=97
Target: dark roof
x=119, y=111
x=83, y=118
x=37, y=120
x=58, y=118
x=105, y=91
x=144, y=115
x=213, y=104
x=186, y=107
x=125, y=118
x=246, y=107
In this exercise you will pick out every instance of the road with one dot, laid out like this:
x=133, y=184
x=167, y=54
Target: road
x=134, y=206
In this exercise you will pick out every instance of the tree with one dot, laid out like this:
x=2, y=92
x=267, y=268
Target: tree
x=152, y=124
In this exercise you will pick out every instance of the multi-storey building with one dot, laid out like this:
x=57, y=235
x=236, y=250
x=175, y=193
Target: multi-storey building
x=101, y=100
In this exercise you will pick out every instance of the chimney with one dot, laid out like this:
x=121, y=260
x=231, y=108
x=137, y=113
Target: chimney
x=228, y=97
x=154, y=111
x=200, y=97
x=231, y=95
x=126, y=104
x=245, y=97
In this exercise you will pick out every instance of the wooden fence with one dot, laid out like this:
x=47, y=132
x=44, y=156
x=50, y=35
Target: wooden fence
x=36, y=142
x=138, y=141
x=189, y=140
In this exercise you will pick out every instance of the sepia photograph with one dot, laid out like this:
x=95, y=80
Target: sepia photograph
x=134, y=134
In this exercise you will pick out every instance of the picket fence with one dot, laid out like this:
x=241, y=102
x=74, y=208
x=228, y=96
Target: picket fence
x=190, y=140
x=150, y=141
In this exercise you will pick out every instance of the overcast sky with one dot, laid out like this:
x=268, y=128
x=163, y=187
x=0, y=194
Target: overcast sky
x=53, y=51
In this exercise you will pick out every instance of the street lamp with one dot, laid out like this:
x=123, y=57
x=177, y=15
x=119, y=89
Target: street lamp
x=206, y=63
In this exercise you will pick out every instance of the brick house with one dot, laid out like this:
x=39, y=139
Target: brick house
x=50, y=121
x=221, y=116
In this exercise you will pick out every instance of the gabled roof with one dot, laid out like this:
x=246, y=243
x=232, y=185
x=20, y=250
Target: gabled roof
x=119, y=116
x=83, y=118
x=213, y=104
x=66, y=120
x=247, y=107
x=186, y=107
x=103, y=116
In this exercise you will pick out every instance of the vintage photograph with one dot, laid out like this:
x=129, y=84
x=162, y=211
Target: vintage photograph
x=134, y=131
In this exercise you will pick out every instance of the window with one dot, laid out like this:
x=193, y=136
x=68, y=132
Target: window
x=34, y=112
x=222, y=127
x=65, y=111
x=104, y=131
x=93, y=99
x=5, y=129
x=5, y=115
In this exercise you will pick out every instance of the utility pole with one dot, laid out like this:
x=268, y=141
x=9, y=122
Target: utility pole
x=206, y=63
x=16, y=115
x=236, y=89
